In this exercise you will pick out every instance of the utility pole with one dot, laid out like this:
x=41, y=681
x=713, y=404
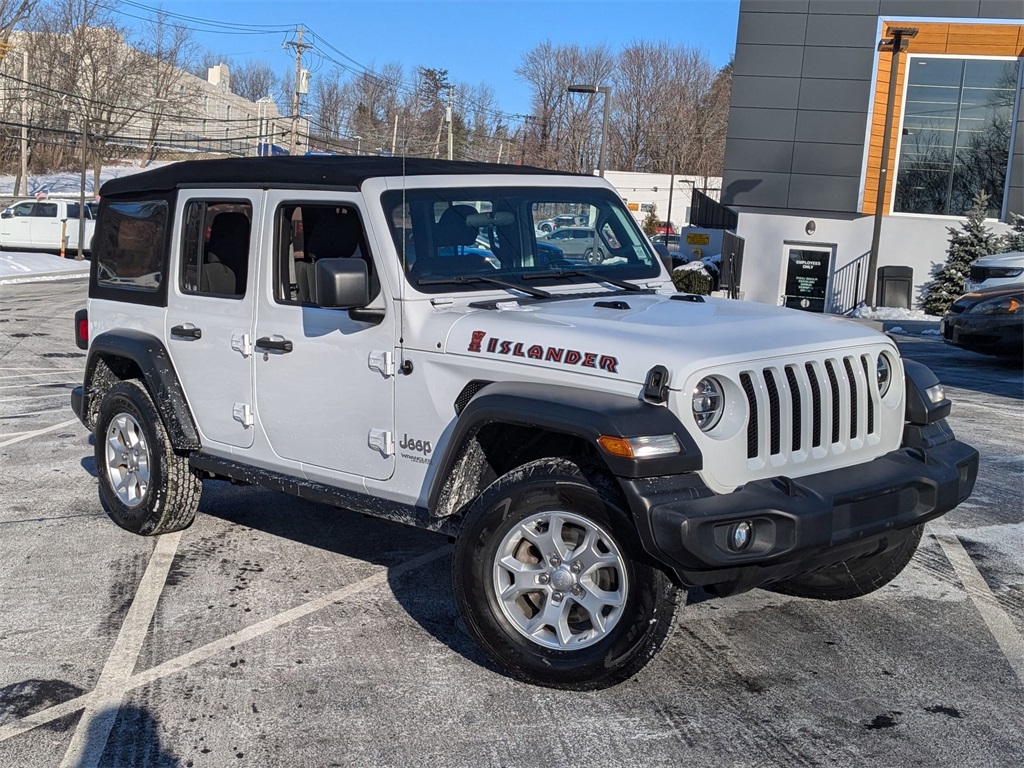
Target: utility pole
x=81, y=195
x=451, y=104
x=24, y=123
x=394, y=136
x=299, y=48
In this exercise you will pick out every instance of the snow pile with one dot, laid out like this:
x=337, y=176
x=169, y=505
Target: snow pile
x=891, y=313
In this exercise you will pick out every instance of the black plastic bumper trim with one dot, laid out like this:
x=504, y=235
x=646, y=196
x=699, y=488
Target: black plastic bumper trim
x=800, y=524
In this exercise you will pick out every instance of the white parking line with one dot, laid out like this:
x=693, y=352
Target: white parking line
x=30, y=435
x=999, y=623
x=209, y=650
x=90, y=737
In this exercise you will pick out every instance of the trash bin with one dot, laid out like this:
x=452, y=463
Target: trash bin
x=895, y=286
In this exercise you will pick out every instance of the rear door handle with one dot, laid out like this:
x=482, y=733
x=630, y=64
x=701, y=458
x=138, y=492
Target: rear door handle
x=282, y=345
x=186, y=332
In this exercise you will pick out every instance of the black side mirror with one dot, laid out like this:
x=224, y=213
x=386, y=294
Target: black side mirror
x=342, y=283
x=664, y=255
x=7, y=214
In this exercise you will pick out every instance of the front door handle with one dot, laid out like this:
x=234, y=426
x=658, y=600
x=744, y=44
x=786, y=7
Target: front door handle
x=282, y=345
x=186, y=332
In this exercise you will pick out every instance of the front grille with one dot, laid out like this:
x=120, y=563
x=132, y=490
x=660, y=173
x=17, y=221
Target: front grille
x=828, y=403
x=978, y=274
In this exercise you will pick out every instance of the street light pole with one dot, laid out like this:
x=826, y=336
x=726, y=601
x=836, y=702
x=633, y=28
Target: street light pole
x=607, y=91
x=898, y=40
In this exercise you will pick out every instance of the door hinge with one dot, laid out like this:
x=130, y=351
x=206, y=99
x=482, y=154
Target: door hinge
x=382, y=362
x=242, y=412
x=242, y=342
x=383, y=441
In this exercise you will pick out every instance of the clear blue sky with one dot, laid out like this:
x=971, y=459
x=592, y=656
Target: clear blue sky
x=476, y=41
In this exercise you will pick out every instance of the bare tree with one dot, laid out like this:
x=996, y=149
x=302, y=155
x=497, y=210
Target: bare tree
x=11, y=12
x=168, y=49
x=253, y=80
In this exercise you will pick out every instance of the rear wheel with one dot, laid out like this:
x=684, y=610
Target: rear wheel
x=594, y=255
x=549, y=577
x=145, y=486
x=859, y=576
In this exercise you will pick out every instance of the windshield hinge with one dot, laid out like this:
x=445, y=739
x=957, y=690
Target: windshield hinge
x=443, y=301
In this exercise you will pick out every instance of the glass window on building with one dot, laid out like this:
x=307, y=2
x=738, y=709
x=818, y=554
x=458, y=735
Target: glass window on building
x=957, y=121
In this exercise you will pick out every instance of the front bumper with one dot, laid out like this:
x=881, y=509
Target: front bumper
x=803, y=524
x=988, y=334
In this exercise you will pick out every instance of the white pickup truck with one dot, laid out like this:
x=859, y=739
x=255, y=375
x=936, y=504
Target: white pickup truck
x=41, y=224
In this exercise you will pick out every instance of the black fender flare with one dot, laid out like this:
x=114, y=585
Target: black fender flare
x=578, y=412
x=159, y=376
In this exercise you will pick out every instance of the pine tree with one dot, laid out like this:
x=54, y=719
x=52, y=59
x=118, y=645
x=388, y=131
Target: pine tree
x=1014, y=239
x=650, y=222
x=971, y=241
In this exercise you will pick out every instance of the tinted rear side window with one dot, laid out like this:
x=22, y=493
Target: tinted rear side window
x=130, y=245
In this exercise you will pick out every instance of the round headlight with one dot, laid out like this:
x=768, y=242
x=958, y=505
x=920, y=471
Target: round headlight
x=708, y=404
x=884, y=370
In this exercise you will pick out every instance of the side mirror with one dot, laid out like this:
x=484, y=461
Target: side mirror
x=342, y=283
x=7, y=214
x=666, y=258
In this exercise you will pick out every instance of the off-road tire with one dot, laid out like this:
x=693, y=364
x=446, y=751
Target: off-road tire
x=584, y=493
x=857, y=577
x=171, y=496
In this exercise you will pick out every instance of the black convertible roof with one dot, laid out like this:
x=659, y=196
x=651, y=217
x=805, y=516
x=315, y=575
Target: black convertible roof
x=334, y=171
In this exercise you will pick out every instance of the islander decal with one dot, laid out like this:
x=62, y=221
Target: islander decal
x=547, y=354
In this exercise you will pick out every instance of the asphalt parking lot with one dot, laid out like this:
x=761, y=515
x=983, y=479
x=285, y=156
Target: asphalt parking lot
x=279, y=632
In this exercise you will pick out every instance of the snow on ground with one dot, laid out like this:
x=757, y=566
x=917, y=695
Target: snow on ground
x=69, y=182
x=26, y=267
x=891, y=313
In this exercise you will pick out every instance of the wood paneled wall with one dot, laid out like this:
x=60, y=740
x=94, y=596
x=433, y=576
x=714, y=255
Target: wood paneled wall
x=964, y=39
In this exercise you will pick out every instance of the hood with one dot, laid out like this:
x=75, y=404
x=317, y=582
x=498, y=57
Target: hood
x=622, y=336
x=1012, y=259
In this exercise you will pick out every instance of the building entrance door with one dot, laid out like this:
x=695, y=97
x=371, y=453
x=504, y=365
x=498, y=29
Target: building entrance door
x=808, y=270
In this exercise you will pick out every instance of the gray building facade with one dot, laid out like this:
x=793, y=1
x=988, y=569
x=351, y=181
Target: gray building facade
x=805, y=131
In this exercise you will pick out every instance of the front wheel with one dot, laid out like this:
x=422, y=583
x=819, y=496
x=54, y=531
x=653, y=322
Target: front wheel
x=145, y=486
x=549, y=579
x=859, y=576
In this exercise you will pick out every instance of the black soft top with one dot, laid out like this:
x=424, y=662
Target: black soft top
x=339, y=171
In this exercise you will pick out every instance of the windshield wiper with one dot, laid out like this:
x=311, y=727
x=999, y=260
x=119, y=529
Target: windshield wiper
x=597, y=278
x=537, y=293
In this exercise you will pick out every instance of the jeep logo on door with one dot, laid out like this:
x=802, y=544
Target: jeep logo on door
x=560, y=355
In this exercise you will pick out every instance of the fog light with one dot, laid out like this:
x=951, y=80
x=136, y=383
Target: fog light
x=936, y=393
x=741, y=535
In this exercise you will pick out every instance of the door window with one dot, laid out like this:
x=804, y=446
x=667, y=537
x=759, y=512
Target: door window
x=215, y=248
x=24, y=209
x=308, y=232
x=45, y=211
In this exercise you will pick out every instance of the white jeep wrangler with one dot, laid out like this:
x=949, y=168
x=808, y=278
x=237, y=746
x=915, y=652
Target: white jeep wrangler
x=388, y=336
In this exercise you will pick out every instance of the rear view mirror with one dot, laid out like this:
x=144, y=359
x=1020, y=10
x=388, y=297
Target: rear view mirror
x=493, y=218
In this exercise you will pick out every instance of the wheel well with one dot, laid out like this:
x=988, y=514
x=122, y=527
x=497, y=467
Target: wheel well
x=496, y=449
x=107, y=371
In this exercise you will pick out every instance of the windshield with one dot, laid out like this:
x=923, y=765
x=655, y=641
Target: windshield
x=526, y=236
